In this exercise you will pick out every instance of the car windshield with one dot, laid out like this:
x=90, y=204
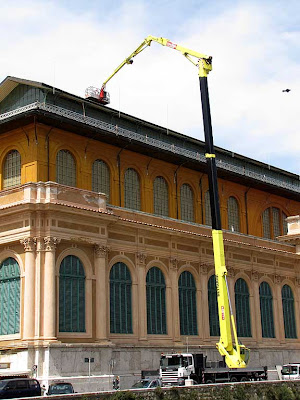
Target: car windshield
x=141, y=384
x=289, y=370
x=60, y=388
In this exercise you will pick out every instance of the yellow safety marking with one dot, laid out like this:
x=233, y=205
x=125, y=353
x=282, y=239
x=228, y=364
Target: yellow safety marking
x=207, y=155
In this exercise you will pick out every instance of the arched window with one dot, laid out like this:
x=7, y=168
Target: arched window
x=187, y=203
x=214, y=324
x=160, y=196
x=12, y=169
x=233, y=215
x=274, y=224
x=288, y=312
x=207, y=208
x=120, y=299
x=65, y=168
x=187, y=304
x=132, y=190
x=242, y=306
x=266, y=310
x=71, y=295
x=9, y=297
x=101, y=178
x=156, y=302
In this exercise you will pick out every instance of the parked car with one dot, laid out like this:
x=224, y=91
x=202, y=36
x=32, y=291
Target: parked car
x=59, y=388
x=146, y=384
x=19, y=387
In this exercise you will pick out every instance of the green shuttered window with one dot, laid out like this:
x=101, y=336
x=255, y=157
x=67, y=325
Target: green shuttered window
x=120, y=299
x=214, y=324
x=288, y=312
x=9, y=297
x=233, y=215
x=266, y=310
x=132, y=190
x=101, y=178
x=12, y=169
x=156, y=302
x=65, y=168
x=71, y=295
x=160, y=196
x=187, y=304
x=242, y=306
x=187, y=203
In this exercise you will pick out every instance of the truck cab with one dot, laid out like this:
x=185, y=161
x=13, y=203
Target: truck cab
x=290, y=371
x=176, y=367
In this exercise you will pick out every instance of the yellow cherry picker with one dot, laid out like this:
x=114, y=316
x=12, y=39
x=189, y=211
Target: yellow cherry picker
x=236, y=354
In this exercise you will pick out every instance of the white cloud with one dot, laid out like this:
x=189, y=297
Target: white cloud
x=254, y=58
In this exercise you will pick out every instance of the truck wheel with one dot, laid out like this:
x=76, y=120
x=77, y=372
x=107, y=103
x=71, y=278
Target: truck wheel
x=209, y=381
x=244, y=379
x=233, y=379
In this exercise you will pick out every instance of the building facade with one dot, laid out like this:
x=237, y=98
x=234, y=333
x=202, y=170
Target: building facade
x=106, y=249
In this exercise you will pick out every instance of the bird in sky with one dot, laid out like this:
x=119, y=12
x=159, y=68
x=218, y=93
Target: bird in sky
x=287, y=90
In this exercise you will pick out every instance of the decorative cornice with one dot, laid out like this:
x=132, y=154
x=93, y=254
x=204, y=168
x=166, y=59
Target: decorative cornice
x=29, y=243
x=51, y=242
x=101, y=251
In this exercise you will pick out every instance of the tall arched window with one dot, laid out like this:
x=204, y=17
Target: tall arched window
x=9, y=297
x=207, y=208
x=233, y=215
x=160, y=196
x=273, y=222
x=12, y=169
x=288, y=312
x=242, y=306
x=187, y=304
x=71, y=295
x=120, y=299
x=214, y=324
x=187, y=203
x=65, y=168
x=132, y=190
x=156, y=302
x=266, y=310
x=101, y=178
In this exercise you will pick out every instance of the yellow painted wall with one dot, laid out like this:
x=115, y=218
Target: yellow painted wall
x=37, y=144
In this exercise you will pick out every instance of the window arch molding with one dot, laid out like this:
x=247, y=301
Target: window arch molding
x=259, y=218
x=130, y=265
x=11, y=254
x=292, y=326
x=8, y=149
x=239, y=210
x=193, y=271
x=88, y=270
x=73, y=152
x=162, y=267
x=246, y=278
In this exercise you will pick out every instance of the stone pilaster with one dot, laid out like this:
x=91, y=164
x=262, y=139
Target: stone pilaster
x=29, y=244
x=49, y=288
x=142, y=306
x=175, y=300
x=100, y=260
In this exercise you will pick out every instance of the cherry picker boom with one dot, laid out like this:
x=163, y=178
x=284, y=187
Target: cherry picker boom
x=236, y=354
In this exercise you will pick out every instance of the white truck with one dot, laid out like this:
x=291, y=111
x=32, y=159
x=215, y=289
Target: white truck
x=290, y=371
x=176, y=368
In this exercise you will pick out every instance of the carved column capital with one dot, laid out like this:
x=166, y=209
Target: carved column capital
x=141, y=257
x=231, y=272
x=173, y=262
x=277, y=278
x=203, y=269
x=51, y=242
x=297, y=280
x=254, y=276
x=101, y=251
x=29, y=243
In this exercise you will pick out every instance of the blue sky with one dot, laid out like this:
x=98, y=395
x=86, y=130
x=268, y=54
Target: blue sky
x=255, y=49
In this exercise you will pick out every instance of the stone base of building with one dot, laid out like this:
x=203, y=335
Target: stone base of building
x=92, y=367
